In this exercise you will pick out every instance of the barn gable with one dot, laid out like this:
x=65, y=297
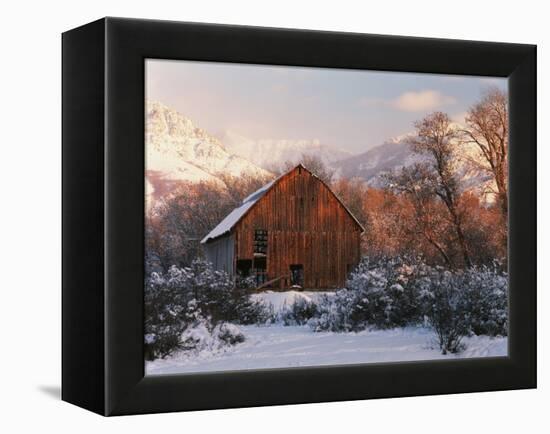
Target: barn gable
x=237, y=215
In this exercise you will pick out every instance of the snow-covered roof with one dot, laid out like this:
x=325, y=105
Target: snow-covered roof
x=234, y=216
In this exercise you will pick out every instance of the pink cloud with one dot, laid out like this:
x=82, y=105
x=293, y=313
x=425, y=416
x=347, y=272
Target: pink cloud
x=421, y=101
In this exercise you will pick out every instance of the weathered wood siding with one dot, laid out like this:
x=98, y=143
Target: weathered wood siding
x=221, y=253
x=306, y=225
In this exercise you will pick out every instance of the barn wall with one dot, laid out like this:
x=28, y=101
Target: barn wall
x=306, y=225
x=221, y=253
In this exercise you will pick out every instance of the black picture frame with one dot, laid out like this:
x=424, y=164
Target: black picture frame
x=103, y=215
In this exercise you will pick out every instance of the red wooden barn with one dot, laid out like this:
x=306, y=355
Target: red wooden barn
x=293, y=232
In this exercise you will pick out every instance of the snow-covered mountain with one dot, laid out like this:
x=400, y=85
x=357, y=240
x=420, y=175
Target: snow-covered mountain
x=270, y=153
x=390, y=155
x=396, y=153
x=177, y=150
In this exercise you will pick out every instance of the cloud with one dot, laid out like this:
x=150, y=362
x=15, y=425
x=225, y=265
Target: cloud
x=420, y=101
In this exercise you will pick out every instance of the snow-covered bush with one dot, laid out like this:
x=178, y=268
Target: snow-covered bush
x=487, y=300
x=219, y=297
x=387, y=291
x=395, y=292
x=244, y=310
x=446, y=311
x=334, y=312
x=202, y=336
x=299, y=312
x=229, y=333
x=465, y=302
x=379, y=293
x=185, y=303
x=168, y=312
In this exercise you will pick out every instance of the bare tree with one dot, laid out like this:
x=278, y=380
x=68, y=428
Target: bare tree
x=177, y=224
x=239, y=187
x=352, y=193
x=182, y=219
x=437, y=137
x=418, y=184
x=487, y=123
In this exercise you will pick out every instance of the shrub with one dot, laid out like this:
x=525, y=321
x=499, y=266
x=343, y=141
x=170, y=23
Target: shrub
x=334, y=312
x=184, y=303
x=487, y=301
x=166, y=312
x=447, y=311
x=380, y=293
x=299, y=312
x=219, y=298
x=242, y=309
x=395, y=292
x=229, y=333
x=202, y=336
x=461, y=303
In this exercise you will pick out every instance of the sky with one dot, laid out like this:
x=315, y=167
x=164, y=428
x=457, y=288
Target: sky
x=353, y=110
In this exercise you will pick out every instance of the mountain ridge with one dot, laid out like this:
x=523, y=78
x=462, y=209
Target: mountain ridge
x=396, y=153
x=178, y=151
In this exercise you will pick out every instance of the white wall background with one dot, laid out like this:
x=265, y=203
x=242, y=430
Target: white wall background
x=30, y=248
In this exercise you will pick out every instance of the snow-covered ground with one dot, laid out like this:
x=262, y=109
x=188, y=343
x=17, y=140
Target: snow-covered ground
x=281, y=299
x=277, y=346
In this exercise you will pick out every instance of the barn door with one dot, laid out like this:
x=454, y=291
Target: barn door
x=244, y=267
x=297, y=275
x=260, y=269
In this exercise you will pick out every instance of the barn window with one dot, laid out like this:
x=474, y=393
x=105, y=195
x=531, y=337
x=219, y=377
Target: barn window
x=260, y=242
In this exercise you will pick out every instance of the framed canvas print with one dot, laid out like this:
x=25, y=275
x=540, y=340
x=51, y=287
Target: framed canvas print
x=258, y=216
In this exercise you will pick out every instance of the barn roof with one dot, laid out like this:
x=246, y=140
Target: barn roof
x=234, y=216
x=248, y=202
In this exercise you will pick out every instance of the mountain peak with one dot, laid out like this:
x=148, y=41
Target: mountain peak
x=179, y=151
